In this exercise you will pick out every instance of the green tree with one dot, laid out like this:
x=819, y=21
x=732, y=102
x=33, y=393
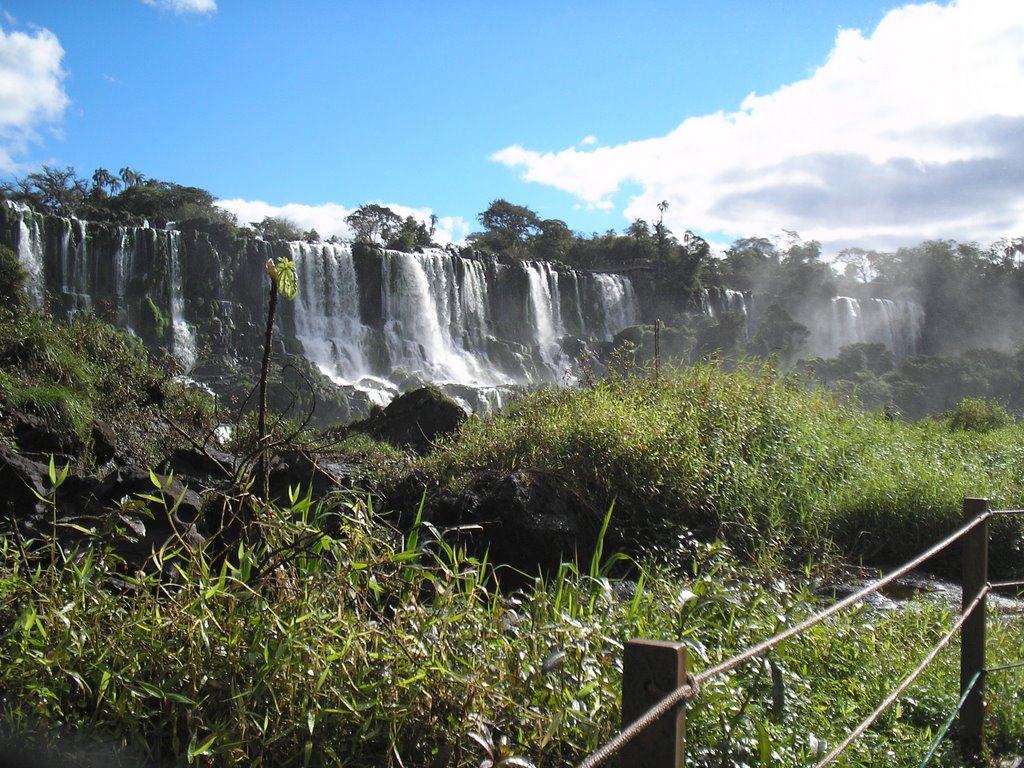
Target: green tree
x=374, y=224
x=748, y=262
x=53, y=190
x=778, y=334
x=277, y=228
x=508, y=228
x=411, y=235
x=130, y=177
x=553, y=241
x=104, y=180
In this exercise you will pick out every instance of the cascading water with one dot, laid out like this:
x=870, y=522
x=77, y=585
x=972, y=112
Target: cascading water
x=425, y=324
x=545, y=311
x=379, y=322
x=618, y=301
x=896, y=324
x=461, y=323
x=327, y=310
x=719, y=301
x=75, y=271
x=30, y=251
x=184, y=341
x=124, y=257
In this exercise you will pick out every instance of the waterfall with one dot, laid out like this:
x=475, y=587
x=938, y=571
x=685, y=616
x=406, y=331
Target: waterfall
x=896, y=324
x=436, y=317
x=30, y=250
x=75, y=267
x=614, y=295
x=379, y=322
x=545, y=311
x=327, y=310
x=184, y=342
x=427, y=327
x=718, y=301
x=124, y=259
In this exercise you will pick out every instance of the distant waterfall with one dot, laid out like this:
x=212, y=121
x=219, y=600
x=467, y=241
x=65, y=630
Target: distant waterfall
x=616, y=301
x=717, y=302
x=545, y=310
x=379, y=321
x=450, y=319
x=75, y=267
x=896, y=324
x=327, y=310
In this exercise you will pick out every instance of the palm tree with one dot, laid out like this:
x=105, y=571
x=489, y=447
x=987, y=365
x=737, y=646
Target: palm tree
x=659, y=231
x=103, y=179
x=131, y=178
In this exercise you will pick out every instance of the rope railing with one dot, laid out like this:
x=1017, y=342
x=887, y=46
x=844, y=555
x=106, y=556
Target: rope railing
x=868, y=721
x=693, y=682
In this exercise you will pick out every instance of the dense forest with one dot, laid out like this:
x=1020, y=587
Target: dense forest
x=968, y=299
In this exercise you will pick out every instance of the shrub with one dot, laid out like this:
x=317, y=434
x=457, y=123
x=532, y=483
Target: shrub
x=978, y=415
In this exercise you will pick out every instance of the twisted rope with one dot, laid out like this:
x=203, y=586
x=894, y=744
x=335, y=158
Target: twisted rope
x=857, y=732
x=689, y=690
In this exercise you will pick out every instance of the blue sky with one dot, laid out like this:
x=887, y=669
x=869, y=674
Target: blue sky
x=855, y=122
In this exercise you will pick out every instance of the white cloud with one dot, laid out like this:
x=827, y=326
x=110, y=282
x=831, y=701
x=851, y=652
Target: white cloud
x=329, y=219
x=31, y=89
x=913, y=131
x=184, y=6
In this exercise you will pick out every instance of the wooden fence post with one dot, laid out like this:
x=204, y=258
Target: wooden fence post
x=651, y=669
x=972, y=633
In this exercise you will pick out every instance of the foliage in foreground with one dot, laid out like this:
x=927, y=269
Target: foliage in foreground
x=780, y=473
x=338, y=641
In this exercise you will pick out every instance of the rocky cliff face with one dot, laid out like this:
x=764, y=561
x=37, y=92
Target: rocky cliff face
x=374, y=322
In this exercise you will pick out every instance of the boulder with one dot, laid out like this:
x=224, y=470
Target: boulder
x=38, y=436
x=524, y=519
x=295, y=469
x=414, y=420
x=141, y=526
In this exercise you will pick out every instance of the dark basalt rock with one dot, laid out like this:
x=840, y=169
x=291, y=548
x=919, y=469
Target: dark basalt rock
x=297, y=470
x=24, y=488
x=37, y=436
x=149, y=525
x=414, y=420
x=208, y=469
x=524, y=519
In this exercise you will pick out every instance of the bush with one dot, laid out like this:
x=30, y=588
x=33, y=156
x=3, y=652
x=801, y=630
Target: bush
x=978, y=415
x=75, y=373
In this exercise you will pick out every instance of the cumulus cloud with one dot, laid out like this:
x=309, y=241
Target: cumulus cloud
x=31, y=89
x=184, y=6
x=329, y=218
x=911, y=132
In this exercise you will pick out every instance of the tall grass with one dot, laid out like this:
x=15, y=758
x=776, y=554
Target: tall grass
x=338, y=641
x=751, y=457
